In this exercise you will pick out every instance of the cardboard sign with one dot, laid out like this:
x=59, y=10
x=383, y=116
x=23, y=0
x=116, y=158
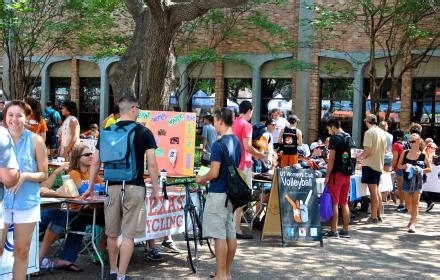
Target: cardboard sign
x=175, y=135
x=299, y=205
x=168, y=217
x=7, y=254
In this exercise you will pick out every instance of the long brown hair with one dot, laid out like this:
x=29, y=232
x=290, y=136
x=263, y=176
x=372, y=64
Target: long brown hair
x=75, y=157
x=25, y=107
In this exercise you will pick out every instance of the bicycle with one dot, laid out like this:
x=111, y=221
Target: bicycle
x=193, y=222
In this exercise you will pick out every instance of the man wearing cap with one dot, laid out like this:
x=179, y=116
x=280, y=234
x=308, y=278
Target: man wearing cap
x=316, y=150
x=375, y=147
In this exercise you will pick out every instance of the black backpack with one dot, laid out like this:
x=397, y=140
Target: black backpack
x=346, y=165
x=237, y=191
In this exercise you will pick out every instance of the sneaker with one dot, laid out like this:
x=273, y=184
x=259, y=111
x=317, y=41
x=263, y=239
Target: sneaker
x=330, y=234
x=430, y=206
x=113, y=276
x=402, y=210
x=400, y=207
x=379, y=219
x=344, y=234
x=170, y=245
x=154, y=255
x=372, y=221
x=412, y=228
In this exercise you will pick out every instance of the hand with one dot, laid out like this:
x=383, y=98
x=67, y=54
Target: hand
x=64, y=167
x=155, y=197
x=199, y=179
x=86, y=194
x=16, y=188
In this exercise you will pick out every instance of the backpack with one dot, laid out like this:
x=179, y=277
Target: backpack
x=346, y=166
x=116, y=152
x=237, y=191
x=50, y=121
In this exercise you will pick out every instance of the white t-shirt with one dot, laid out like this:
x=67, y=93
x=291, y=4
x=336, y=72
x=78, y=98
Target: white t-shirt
x=280, y=124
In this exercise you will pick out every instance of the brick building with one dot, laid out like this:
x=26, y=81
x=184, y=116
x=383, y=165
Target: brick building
x=338, y=86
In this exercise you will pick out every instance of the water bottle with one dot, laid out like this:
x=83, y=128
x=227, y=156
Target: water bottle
x=258, y=167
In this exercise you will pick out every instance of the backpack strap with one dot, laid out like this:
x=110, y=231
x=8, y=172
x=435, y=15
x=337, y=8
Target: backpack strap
x=229, y=166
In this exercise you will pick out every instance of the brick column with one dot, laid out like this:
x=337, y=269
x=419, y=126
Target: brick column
x=405, y=100
x=314, y=97
x=219, y=84
x=74, y=83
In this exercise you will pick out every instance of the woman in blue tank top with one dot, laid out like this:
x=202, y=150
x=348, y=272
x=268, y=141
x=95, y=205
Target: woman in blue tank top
x=22, y=201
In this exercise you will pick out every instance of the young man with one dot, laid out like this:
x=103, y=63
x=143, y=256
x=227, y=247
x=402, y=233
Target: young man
x=338, y=183
x=112, y=118
x=375, y=147
x=218, y=220
x=280, y=124
x=53, y=122
x=243, y=130
x=9, y=174
x=209, y=135
x=131, y=202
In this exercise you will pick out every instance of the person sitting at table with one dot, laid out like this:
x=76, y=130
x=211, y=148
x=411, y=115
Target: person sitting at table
x=54, y=220
x=415, y=164
x=92, y=133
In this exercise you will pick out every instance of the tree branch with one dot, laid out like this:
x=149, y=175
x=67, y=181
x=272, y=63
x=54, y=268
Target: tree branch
x=135, y=7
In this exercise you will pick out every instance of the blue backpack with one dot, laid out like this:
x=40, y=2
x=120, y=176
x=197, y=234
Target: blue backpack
x=117, y=153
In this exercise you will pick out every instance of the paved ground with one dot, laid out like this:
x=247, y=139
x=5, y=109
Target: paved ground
x=382, y=251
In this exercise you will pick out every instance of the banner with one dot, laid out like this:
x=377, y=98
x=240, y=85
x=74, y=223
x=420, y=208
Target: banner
x=299, y=205
x=7, y=254
x=175, y=135
x=168, y=217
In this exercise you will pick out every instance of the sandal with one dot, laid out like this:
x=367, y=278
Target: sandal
x=212, y=275
x=70, y=267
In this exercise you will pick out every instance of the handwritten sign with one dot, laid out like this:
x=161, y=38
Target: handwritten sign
x=175, y=135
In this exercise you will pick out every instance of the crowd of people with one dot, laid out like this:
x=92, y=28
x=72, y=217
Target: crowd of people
x=30, y=135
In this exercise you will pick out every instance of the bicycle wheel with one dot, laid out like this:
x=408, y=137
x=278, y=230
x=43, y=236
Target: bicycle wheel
x=192, y=239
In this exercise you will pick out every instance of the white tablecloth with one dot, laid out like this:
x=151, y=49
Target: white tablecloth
x=432, y=180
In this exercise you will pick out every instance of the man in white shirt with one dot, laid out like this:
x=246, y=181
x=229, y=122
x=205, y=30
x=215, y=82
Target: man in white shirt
x=280, y=124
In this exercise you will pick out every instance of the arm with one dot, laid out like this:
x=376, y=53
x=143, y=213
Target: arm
x=366, y=153
x=211, y=175
x=400, y=164
x=247, y=143
x=74, y=127
x=330, y=164
x=427, y=166
x=43, y=136
x=299, y=136
x=48, y=183
x=280, y=137
x=395, y=158
x=153, y=168
x=204, y=142
x=94, y=169
x=9, y=176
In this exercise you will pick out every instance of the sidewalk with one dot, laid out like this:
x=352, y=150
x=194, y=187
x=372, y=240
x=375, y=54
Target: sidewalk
x=375, y=251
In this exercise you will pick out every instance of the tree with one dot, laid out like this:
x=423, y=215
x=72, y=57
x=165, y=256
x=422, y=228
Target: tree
x=404, y=32
x=32, y=30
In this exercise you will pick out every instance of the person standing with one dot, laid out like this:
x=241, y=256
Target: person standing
x=113, y=118
x=9, y=174
x=243, y=130
x=280, y=124
x=389, y=154
x=397, y=149
x=35, y=121
x=415, y=164
x=338, y=183
x=124, y=208
x=209, y=135
x=218, y=220
x=69, y=130
x=22, y=201
x=53, y=122
x=290, y=139
x=375, y=147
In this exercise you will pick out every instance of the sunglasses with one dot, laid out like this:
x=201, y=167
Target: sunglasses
x=87, y=154
x=138, y=107
x=413, y=141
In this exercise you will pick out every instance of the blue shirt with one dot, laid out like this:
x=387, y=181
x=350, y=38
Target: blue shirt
x=56, y=115
x=218, y=185
x=210, y=134
x=28, y=195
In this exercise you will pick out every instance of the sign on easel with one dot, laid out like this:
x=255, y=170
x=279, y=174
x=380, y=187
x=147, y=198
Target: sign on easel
x=294, y=194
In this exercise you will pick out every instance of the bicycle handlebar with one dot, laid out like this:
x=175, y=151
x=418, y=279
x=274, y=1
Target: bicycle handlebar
x=185, y=182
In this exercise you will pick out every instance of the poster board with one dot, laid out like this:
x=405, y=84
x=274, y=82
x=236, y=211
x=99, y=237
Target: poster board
x=7, y=256
x=272, y=225
x=168, y=217
x=299, y=205
x=175, y=135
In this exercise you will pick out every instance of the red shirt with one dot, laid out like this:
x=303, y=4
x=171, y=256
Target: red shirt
x=397, y=147
x=243, y=129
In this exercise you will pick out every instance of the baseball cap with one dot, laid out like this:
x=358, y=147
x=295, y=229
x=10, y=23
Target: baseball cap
x=371, y=119
x=315, y=145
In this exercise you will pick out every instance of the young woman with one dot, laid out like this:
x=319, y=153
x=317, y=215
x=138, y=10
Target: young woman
x=290, y=140
x=22, y=201
x=397, y=149
x=54, y=220
x=410, y=161
x=35, y=121
x=70, y=130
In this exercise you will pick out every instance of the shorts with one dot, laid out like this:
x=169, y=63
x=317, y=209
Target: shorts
x=218, y=220
x=399, y=173
x=370, y=176
x=127, y=218
x=28, y=216
x=288, y=160
x=406, y=185
x=247, y=175
x=51, y=141
x=339, y=188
